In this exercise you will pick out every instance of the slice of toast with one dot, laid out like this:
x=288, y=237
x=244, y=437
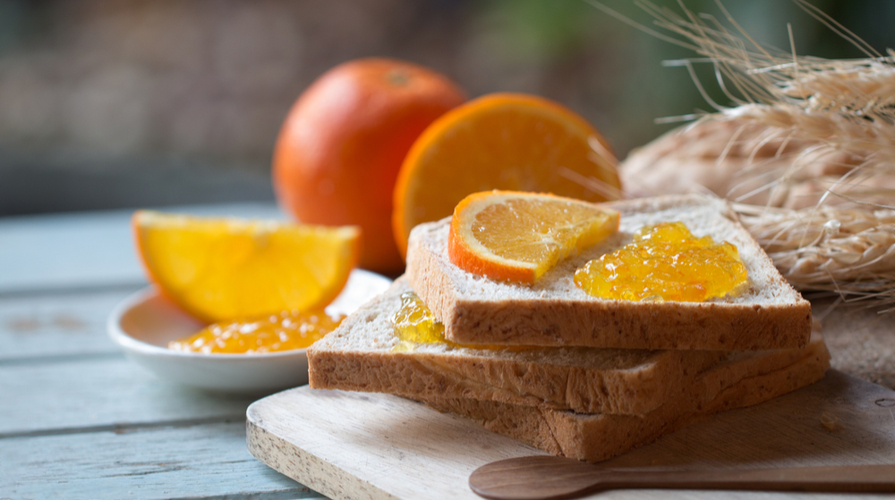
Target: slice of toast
x=596, y=437
x=770, y=314
x=364, y=354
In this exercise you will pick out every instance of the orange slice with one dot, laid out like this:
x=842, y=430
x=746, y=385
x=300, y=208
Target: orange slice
x=223, y=268
x=501, y=141
x=515, y=236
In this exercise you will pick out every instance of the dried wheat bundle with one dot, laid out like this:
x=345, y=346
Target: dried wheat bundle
x=845, y=243
x=845, y=105
x=846, y=250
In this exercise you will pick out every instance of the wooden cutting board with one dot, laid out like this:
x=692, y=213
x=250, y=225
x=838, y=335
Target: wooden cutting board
x=377, y=446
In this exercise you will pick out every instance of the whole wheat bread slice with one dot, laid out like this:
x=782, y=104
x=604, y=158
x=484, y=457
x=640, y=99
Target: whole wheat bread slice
x=596, y=437
x=555, y=312
x=364, y=354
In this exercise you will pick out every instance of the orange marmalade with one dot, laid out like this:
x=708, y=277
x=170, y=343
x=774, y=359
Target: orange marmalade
x=666, y=262
x=415, y=324
x=277, y=332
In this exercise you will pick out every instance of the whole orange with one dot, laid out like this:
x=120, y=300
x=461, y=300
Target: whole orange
x=342, y=144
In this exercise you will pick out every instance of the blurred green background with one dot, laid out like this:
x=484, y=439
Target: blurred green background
x=124, y=103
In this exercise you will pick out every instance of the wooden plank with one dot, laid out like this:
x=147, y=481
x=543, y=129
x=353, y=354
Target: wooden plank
x=861, y=341
x=71, y=250
x=101, y=393
x=377, y=446
x=208, y=461
x=55, y=325
x=371, y=446
x=840, y=420
x=87, y=249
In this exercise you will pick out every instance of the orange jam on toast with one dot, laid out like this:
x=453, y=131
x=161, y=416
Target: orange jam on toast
x=666, y=262
x=415, y=324
x=277, y=332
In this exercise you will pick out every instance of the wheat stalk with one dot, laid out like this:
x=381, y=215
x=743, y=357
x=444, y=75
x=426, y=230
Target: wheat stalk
x=872, y=139
x=846, y=250
x=843, y=106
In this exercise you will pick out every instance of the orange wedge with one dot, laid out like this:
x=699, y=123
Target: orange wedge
x=514, y=236
x=223, y=268
x=514, y=142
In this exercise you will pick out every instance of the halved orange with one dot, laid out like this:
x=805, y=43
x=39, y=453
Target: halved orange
x=226, y=268
x=514, y=142
x=514, y=236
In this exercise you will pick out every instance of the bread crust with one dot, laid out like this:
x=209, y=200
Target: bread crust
x=363, y=355
x=597, y=437
x=770, y=315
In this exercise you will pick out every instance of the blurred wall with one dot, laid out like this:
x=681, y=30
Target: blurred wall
x=114, y=103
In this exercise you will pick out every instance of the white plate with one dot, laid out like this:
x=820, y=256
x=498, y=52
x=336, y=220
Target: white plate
x=144, y=323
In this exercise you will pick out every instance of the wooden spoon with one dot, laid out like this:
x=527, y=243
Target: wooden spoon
x=550, y=478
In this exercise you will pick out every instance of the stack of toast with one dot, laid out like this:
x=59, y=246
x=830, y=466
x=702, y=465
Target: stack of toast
x=575, y=375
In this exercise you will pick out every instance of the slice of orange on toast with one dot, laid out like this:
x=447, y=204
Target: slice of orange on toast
x=503, y=141
x=226, y=268
x=515, y=236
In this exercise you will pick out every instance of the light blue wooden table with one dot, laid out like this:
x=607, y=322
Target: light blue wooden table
x=77, y=419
